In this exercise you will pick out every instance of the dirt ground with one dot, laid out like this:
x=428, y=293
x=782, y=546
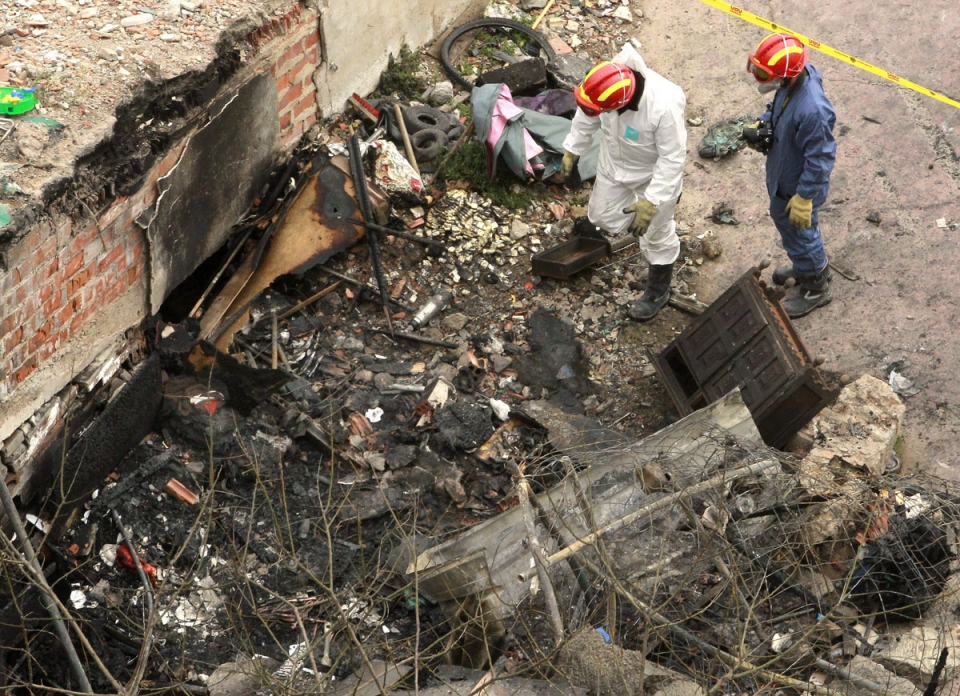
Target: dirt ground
x=897, y=158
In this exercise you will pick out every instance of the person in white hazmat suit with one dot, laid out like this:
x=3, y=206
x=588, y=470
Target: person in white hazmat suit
x=640, y=170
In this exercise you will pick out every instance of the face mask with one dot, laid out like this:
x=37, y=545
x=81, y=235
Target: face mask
x=767, y=87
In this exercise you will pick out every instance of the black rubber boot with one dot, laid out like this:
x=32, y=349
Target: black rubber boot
x=814, y=291
x=655, y=295
x=582, y=227
x=784, y=273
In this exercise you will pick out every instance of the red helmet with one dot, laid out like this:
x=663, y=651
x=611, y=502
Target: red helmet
x=607, y=86
x=778, y=56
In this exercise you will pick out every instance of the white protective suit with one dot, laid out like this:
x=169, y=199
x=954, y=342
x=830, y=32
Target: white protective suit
x=642, y=153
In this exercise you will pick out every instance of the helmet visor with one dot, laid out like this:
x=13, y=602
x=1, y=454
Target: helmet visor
x=759, y=73
x=589, y=110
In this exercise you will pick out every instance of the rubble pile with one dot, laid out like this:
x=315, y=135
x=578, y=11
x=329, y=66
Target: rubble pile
x=346, y=493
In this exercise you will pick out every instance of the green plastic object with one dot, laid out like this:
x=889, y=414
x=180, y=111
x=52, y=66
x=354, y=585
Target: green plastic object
x=17, y=100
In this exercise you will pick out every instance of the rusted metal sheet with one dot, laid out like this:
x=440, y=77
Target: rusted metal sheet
x=312, y=231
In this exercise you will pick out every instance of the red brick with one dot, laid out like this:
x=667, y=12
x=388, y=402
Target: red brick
x=48, y=273
x=50, y=308
x=290, y=54
x=112, y=213
x=78, y=281
x=302, y=105
x=83, y=238
x=28, y=265
x=312, y=39
x=49, y=348
x=285, y=120
x=73, y=265
x=309, y=121
x=297, y=67
x=14, y=339
x=25, y=371
x=6, y=325
x=283, y=82
x=290, y=96
x=39, y=338
x=69, y=310
x=47, y=251
x=107, y=260
x=46, y=291
x=24, y=291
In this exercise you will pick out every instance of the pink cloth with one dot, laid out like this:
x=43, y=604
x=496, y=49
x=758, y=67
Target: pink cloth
x=505, y=111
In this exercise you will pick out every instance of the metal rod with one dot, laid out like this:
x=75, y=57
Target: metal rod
x=13, y=515
x=310, y=300
x=366, y=210
x=141, y=573
x=353, y=281
x=415, y=337
x=226, y=264
x=398, y=233
x=224, y=325
x=273, y=340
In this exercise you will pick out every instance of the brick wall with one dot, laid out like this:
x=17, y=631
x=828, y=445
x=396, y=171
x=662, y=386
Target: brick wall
x=65, y=272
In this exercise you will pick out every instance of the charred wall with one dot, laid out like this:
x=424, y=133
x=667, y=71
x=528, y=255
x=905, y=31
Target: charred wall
x=100, y=252
x=85, y=264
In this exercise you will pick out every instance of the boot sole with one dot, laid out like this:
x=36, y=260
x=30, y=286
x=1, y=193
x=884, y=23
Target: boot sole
x=660, y=305
x=820, y=304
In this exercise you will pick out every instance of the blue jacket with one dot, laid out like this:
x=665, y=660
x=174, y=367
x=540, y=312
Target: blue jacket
x=804, y=150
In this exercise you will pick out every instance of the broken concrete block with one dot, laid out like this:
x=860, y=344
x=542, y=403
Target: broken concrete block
x=525, y=79
x=586, y=660
x=566, y=71
x=859, y=430
x=868, y=669
x=914, y=654
x=240, y=678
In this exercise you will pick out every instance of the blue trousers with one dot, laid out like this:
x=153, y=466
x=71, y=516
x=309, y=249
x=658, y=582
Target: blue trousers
x=804, y=247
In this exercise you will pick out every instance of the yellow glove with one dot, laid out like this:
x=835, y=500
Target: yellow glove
x=643, y=211
x=568, y=164
x=800, y=211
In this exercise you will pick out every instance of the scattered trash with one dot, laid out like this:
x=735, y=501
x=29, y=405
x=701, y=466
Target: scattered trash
x=723, y=214
x=902, y=385
x=436, y=304
x=723, y=138
x=17, y=100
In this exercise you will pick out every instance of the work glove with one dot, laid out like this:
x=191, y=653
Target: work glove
x=643, y=212
x=568, y=166
x=800, y=211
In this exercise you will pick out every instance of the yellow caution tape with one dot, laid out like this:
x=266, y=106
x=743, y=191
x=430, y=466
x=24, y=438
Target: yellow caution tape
x=743, y=14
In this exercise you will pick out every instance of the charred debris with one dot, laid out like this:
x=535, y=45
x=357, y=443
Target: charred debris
x=365, y=450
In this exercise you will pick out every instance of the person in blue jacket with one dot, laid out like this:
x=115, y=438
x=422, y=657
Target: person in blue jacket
x=801, y=151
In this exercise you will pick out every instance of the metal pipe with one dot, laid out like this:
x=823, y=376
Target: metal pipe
x=366, y=210
x=398, y=233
